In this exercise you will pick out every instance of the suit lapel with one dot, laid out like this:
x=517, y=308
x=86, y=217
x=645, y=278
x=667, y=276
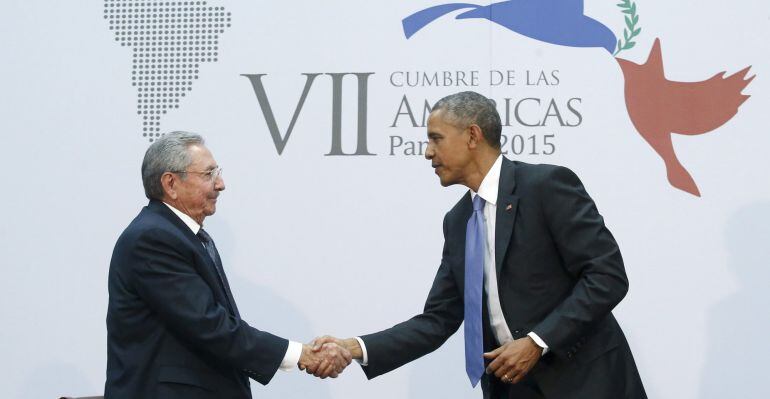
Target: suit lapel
x=461, y=213
x=162, y=209
x=210, y=274
x=507, y=203
x=225, y=284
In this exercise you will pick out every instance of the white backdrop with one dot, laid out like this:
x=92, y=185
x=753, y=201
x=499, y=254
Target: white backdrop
x=349, y=245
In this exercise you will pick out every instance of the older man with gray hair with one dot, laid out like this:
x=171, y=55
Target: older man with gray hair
x=173, y=328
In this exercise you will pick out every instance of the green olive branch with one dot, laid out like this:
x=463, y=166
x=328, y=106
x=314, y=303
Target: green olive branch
x=630, y=31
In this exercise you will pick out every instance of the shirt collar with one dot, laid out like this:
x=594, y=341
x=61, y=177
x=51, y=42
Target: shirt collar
x=192, y=224
x=491, y=183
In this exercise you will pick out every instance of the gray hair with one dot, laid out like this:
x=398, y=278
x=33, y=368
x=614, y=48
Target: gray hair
x=467, y=108
x=167, y=154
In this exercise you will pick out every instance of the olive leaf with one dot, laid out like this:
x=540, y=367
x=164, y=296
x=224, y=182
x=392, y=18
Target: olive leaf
x=630, y=31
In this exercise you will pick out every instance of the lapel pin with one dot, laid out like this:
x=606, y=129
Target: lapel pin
x=508, y=208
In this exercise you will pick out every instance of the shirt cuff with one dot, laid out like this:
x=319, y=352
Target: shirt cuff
x=291, y=358
x=364, y=357
x=539, y=342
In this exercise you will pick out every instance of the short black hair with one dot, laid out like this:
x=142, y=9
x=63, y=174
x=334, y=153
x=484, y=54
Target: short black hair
x=467, y=108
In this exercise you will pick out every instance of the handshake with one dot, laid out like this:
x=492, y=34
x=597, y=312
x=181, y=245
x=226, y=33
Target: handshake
x=328, y=356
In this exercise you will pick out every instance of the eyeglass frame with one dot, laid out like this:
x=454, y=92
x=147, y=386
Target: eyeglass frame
x=212, y=174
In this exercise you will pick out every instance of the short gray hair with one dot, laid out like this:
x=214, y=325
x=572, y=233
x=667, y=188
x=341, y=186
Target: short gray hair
x=467, y=108
x=167, y=154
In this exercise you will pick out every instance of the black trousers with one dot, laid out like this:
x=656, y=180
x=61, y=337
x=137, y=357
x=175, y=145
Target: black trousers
x=525, y=389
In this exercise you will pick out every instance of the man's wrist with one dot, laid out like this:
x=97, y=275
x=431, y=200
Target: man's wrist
x=292, y=357
x=352, y=345
x=538, y=342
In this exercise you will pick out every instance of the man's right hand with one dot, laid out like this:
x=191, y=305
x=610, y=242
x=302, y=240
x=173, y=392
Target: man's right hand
x=351, y=344
x=324, y=360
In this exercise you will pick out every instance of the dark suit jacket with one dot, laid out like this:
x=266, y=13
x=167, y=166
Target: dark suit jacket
x=559, y=274
x=171, y=332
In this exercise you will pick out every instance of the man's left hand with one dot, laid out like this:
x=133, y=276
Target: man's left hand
x=512, y=361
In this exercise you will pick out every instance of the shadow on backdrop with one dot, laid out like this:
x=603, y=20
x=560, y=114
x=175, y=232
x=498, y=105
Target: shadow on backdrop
x=263, y=309
x=58, y=379
x=441, y=374
x=738, y=348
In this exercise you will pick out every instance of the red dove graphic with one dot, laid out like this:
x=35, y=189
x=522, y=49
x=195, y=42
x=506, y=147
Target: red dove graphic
x=659, y=107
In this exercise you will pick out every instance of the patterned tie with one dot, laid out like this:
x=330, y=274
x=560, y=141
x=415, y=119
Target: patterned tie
x=208, y=243
x=475, y=242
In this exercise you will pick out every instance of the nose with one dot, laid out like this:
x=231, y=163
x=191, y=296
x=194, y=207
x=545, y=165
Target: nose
x=219, y=184
x=429, y=152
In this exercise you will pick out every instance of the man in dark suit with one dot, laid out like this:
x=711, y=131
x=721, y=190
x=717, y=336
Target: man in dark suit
x=173, y=328
x=528, y=264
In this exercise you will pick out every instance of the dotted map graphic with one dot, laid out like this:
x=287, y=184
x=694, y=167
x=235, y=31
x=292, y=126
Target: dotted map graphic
x=170, y=40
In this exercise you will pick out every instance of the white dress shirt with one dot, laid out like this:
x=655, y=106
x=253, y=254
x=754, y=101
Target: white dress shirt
x=488, y=191
x=294, y=351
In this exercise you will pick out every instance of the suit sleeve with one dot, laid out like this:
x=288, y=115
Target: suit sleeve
x=168, y=282
x=590, y=255
x=422, y=334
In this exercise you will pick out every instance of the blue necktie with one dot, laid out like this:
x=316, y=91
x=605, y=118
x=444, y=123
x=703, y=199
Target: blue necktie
x=475, y=242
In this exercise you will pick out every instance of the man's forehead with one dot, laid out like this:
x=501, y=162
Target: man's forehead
x=201, y=155
x=437, y=115
x=441, y=119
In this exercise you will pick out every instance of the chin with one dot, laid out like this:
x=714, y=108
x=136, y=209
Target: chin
x=446, y=183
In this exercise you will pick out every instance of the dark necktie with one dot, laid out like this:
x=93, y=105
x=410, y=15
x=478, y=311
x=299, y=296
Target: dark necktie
x=208, y=243
x=475, y=243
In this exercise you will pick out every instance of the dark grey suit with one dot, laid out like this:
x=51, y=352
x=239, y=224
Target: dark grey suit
x=559, y=274
x=171, y=329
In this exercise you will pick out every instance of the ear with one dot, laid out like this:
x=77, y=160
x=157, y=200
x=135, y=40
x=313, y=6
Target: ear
x=475, y=136
x=168, y=180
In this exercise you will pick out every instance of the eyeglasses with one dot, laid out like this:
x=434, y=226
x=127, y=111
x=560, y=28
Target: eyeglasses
x=212, y=174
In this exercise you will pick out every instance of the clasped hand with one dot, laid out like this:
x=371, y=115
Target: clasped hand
x=325, y=360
